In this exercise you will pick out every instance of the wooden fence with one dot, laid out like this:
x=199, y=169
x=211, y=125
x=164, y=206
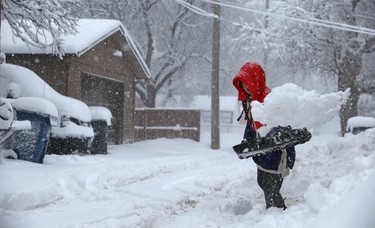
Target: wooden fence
x=167, y=123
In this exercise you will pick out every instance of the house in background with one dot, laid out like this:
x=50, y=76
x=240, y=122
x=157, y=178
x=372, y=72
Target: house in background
x=100, y=67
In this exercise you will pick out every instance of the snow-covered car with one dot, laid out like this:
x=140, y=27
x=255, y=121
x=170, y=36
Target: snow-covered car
x=73, y=130
x=358, y=124
x=30, y=144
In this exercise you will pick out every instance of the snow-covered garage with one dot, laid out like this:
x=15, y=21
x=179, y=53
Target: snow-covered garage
x=100, y=67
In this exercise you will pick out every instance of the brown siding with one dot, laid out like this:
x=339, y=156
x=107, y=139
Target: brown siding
x=101, y=61
x=48, y=67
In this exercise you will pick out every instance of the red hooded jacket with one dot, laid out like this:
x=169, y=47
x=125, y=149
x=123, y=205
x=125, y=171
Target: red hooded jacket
x=252, y=75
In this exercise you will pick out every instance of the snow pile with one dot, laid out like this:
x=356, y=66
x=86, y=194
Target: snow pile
x=291, y=105
x=335, y=168
x=354, y=209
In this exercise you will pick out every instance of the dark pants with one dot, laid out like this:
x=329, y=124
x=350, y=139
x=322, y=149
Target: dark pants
x=271, y=185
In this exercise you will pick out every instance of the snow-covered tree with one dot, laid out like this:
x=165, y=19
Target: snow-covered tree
x=325, y=36
x=36, y=21
x=336, y=47
x=366, y=82
x=181, y=41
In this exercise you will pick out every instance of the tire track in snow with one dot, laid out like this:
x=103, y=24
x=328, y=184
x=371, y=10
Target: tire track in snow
x=181, y=191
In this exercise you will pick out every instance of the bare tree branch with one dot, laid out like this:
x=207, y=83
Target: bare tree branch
x=34, y=21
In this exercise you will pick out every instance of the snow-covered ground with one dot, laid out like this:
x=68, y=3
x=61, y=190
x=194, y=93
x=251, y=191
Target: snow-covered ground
x=182, y=183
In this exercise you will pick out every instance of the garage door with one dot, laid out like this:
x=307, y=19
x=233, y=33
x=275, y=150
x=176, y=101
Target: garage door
x=101, y=91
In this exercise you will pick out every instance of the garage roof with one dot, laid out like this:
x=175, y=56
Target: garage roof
x=90, y=32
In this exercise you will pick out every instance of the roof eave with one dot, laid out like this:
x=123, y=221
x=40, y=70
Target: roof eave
x=89, y=47
x=130, y=42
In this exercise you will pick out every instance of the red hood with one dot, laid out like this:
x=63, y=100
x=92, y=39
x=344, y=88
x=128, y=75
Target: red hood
x=252, y=75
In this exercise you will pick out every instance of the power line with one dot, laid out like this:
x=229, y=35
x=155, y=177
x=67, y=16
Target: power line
x=196, y=9
x=312, y=21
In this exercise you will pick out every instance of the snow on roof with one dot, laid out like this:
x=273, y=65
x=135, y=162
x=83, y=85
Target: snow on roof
x=90, y=32
x=30, y=84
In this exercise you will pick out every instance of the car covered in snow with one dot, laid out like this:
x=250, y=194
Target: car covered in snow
x=73, y=130
x=358, y=124
x=26, y=143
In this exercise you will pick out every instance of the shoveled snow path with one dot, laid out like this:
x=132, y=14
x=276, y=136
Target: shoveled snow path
x=134, y=191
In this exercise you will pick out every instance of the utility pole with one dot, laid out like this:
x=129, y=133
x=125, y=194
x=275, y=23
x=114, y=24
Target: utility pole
x=265, y=51
x=215, y=99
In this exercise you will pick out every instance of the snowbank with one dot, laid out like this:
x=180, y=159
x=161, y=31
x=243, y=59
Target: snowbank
x=355, y=209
